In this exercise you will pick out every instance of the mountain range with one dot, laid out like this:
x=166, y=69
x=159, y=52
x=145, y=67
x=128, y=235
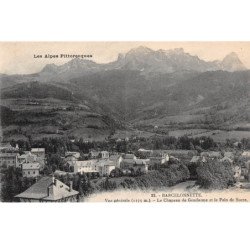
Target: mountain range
x=147, y=61
x=142, y=88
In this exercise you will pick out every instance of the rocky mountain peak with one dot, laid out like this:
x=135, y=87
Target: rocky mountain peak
x=231, y=62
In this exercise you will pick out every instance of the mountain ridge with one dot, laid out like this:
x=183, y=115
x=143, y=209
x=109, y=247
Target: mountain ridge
x=147, y=61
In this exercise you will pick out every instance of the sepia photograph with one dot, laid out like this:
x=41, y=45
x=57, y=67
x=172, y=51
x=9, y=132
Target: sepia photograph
x=125, y=121
x=124, y=124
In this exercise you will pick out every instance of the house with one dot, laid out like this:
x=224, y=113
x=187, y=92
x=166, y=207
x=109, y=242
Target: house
x=9, y=159
x=7, y=148
x=27, y=157
x=183, y=155
x=226, y=159
x=94, y=154
x=131, y=162
x=104, y=154
x=144, y=153
x=236, y=144
x=105, y=166
x=158, y=157
x=5, y=145
x=248, y=164
x=229, y=154
x=173, y=159
x=237, y=172
x=128, y=160
x=88, y=166
x=48, y=189
x=246, y=155
x=30, y=169
x=126, y=171
x=101, y=166
x=212, y=154
x=39, y=152
x=140, y=165
x=70, y=158
x=69, y=154
x=197, y=158
x=181, y=152
x=117, y=159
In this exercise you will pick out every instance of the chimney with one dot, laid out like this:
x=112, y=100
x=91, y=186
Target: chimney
x=53, y=180
x=70, y=186
x=50, y=190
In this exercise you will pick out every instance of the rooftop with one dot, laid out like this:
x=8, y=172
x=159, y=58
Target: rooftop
x=140, y=162
x=38, y=150
x=8, y=154
x=27, y=166
x=129, y=156
x=211, y=154
x=47, y=189
x=114, y=157
x=246, y=154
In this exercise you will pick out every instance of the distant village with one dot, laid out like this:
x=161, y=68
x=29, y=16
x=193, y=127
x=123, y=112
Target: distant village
x=100, y=164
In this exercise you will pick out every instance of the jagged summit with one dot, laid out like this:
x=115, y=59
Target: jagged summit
x=50, y=68
x=231, y=62
x=147, y=61
x=140, y=50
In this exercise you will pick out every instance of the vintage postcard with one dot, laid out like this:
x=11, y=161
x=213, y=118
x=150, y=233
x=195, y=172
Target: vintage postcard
x=125, y=121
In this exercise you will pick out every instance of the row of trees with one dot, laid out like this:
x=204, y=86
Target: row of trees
x=60, y=145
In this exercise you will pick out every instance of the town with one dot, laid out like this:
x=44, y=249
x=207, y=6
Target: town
x=40, y=175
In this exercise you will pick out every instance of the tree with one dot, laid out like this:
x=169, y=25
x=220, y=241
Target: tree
x=108, y=185
x=116, y=172
x=84, y=185
x=12, y=183
x=215, y=175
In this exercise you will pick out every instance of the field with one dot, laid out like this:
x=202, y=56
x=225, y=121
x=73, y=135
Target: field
x=216, y=135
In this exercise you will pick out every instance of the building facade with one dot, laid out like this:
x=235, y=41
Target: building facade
x=30, y=170
x=9, y=160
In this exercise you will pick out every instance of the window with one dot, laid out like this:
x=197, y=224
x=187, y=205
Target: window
x=34, y=172
x=28, y=172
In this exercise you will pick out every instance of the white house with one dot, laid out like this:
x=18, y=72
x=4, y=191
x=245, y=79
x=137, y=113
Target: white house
x=141, y=165
x=104, y=154
x=128, y=160
x=101, y=166
x=246, y=155
x=105, y=166
x=30, y=169
x=117, y=159
x=74, y=154
x=85, y=166
x=158, y=157
x=9, y=159
x=39, y=152
x=212, y=154
x=226, y=159
x=27, y=157
x=197, y=158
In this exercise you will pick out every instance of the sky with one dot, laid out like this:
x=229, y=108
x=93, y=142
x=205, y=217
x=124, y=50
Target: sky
x=18, y=57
